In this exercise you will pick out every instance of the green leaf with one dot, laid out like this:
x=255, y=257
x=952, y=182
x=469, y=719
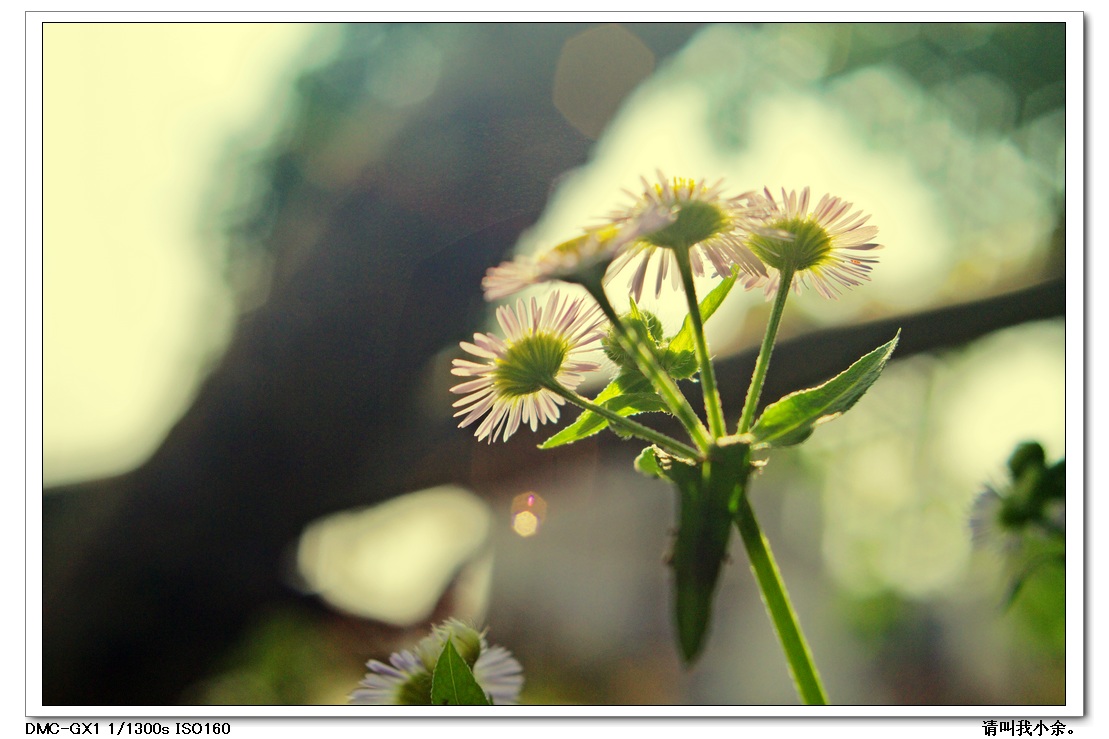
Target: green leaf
x=647, y=464
x=588, y=423
x=707, y=496
x=453, y=683
x=627, y=395
x=681, y=365
x=792, y=419
x=683, y=340
x=631, y=403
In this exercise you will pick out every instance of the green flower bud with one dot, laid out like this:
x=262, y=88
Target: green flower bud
x=644, y=326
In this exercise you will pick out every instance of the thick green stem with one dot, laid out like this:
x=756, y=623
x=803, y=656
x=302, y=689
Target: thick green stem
x=774, y=596
x=714, y=411
x=763, y=361
x=662, y=382
x=671, y=446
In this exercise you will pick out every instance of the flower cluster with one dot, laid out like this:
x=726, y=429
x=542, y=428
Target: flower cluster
x=406, y=680
x=673, y=224
x=675, y=230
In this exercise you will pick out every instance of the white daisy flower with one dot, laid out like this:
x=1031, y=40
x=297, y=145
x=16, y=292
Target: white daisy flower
x=403, y=682
x=543, y=349
x=406, y=680
x=582, y=259
x=711, y=227
x=986, y=527
x=822, y=246
x=499, y=675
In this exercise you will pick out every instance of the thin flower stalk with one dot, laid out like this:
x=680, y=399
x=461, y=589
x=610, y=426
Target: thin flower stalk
x=714, y=410
x=762, y=364
x=670, y=445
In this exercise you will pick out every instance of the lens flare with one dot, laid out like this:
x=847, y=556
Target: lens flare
x=528, y=512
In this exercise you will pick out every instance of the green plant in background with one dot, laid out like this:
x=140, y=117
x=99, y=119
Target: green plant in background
x=525, y=377
x=1025, y=517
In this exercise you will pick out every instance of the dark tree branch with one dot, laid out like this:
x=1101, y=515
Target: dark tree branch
x=808, y=360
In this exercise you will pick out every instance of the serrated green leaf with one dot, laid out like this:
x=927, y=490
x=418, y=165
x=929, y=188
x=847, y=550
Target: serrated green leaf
x=453, y=682
x=633, y=308
x=588, y=423
x=683, y=340
x=627, y=395
x=631, y=403
x=792, y=419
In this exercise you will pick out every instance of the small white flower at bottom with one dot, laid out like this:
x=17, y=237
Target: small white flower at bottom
x=390, y=684
x=499, y=675
x=406, y=680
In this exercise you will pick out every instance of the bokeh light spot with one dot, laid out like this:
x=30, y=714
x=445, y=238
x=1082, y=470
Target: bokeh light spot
x=392, y=562
x=408, y=77
x=528, y=512
x=595, y=72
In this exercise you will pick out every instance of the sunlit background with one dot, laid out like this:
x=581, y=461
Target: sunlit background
x=951, y=135
x=136, y=120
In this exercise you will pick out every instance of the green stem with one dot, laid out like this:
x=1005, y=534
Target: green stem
x=671, y=446
x=774, y=596
x=662, y=382
x=763, y=361
x=713, y=409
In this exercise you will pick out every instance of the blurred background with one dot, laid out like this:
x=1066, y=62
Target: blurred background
x=262, y=243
